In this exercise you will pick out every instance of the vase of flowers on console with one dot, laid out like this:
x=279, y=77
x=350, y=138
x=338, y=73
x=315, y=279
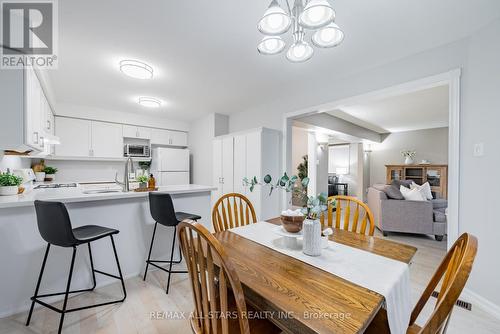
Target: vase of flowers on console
x=409, y=156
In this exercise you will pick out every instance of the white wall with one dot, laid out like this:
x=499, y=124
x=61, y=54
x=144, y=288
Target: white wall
x=79, y=111
x=430, y=144
x=201, y=135
x=299, y=148
x=10, y=162
x=478, y=57
x=87, y=171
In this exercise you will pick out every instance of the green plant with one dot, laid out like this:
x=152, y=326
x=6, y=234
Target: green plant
x=285, y=182
x=10, y=180
x=142, y=179
x=315, y=206
x=302, y=168
x=50, y=170
x=144, y=164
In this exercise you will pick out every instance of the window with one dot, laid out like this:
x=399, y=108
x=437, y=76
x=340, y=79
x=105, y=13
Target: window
x=338, y=159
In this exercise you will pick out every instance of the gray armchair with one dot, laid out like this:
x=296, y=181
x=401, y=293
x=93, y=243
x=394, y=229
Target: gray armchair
x=392, y=215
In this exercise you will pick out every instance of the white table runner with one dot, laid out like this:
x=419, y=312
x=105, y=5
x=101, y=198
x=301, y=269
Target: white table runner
x=388, y=277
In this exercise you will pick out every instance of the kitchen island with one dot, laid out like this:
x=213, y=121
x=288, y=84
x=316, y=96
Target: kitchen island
x=22, y=248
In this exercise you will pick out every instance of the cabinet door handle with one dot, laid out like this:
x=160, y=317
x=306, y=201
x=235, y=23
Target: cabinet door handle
x=42, y=142
x=35, y=135
x=48, y=125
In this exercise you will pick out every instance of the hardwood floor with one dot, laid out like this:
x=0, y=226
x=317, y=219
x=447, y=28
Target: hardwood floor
x=145, y=298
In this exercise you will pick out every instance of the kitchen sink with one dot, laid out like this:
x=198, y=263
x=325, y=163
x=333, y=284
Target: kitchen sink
x=101, y=191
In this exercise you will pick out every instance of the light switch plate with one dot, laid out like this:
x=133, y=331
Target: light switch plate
x=478, y=150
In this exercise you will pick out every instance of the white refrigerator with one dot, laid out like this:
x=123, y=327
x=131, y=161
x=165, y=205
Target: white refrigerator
x=170, y=166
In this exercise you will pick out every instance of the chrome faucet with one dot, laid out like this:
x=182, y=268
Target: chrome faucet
x=126, y=184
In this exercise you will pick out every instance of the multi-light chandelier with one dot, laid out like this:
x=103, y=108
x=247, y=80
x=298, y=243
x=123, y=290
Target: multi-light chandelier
x=315, y=15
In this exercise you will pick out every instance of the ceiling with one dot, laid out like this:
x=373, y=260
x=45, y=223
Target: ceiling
x=204, y=52
x=423, y=109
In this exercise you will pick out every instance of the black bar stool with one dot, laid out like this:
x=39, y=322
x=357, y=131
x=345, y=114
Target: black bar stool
x=54, y=225
x=162, y=211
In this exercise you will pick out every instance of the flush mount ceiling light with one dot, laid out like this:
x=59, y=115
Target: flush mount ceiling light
x=306, y=15
x=149, y=102
x=136, y=69
x=271, y=45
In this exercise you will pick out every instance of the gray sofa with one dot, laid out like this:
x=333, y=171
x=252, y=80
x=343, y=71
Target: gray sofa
x=396, y=215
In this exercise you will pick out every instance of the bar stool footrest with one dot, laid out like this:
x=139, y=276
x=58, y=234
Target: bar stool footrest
x=151, y=262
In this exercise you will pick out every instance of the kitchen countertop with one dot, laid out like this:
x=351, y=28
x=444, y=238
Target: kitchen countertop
x=71, y=195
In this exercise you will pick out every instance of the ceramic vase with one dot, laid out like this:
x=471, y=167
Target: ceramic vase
x=312, y=237
x=408, y=161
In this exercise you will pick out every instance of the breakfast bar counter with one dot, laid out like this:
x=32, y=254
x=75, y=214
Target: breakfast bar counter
x=22, y=248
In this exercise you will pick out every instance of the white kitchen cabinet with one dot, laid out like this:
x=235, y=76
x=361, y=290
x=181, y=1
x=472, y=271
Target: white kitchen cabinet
x=106, y=140
x=138, y=132
x=24, y=105
x=169, y=138
x=178, y=138
x=84, y=138
x=75, y=137
x=248, y=154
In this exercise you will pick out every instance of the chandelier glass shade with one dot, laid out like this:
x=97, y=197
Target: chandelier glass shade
x=328, y=36
x=271, y=45
x=275, y=20
x=316, y=16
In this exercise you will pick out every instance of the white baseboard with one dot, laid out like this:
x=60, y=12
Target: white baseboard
x=481, y=302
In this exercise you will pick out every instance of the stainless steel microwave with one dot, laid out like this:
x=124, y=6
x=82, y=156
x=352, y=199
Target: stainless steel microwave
x=137, y=151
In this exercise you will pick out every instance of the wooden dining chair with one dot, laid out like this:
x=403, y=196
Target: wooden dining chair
x=216, y=287
x=232, y=210
x=362, y=217
x=453, y=273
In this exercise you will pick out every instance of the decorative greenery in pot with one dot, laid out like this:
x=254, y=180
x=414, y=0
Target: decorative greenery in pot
x=50, y=173
x=285, y=183
x=145, y=165
x=9, y=184
x=143, y=181
x=313, y=206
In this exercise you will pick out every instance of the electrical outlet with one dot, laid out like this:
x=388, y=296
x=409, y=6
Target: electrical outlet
x=478, y=150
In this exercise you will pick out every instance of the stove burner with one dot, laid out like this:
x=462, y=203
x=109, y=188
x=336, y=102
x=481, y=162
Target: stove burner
x=56, y=185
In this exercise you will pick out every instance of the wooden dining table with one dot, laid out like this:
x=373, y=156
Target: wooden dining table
x=300, y=298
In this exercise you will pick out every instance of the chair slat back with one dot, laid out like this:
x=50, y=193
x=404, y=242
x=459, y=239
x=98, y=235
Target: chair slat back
x=351, y=215
x=453, y=273
x=232, y=210
x=214, y=281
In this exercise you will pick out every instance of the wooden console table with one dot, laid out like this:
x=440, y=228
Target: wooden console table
x=436, y=175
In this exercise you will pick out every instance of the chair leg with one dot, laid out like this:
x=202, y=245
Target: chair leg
x=92, y=268
x=171, y=258
x=150, y=249
x=38, y=284
x=63, y=311
x=119, y=268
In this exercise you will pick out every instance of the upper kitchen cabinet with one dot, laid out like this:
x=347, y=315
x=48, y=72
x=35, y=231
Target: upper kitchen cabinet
x=88, y=139
x=138, y=132
x=25, y=112
x=107, y=140
x=75, y=136
x=169, y=138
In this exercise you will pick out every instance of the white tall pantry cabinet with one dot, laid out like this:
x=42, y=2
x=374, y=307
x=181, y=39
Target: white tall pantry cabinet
x=255, y=152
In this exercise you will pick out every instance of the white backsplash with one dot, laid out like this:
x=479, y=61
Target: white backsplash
x=87, y=171
x=12, y=162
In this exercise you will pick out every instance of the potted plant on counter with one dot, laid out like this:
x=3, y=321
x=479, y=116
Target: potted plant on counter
x=50, y=173
x=143, y=181
x=9, y=184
